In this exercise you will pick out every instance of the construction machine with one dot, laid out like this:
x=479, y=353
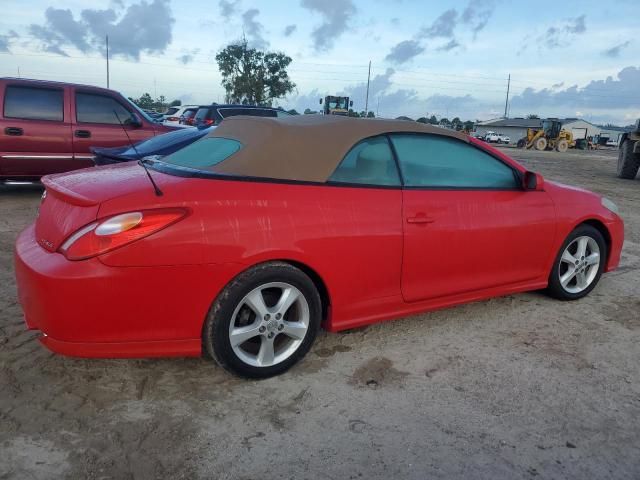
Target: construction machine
x=550, y=137
x=629, y=153
x=336, y=105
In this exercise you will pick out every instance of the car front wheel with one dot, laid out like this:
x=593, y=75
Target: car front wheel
x=579, y=264
x=264, y=321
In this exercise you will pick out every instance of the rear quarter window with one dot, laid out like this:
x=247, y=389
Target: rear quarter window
x=251, y=112
x=201, y=114
x=204, y=153
x=33, y=103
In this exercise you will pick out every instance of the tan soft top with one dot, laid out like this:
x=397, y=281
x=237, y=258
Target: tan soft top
x=303, y=147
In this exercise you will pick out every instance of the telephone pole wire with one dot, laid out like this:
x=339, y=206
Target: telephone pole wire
x=366, y=103
x=506, y=103
x=107, y=41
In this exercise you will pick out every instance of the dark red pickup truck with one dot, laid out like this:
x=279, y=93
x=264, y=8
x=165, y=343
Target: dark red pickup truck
x=48, y=127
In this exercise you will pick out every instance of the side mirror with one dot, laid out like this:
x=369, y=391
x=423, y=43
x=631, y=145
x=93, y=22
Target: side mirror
x=533, y=181
x=320, y=101
x=351, y=103
x=135, y=121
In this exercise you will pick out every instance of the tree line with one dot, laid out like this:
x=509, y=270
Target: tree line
x=253, y=77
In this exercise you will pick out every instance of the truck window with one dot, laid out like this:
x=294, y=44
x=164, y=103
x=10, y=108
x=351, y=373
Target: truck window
x=92, y=108
x=32, y=103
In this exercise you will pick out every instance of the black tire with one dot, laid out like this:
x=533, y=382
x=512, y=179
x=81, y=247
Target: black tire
x=521, y=143
x=216, y=329
x=628, y=162
x=555, y=288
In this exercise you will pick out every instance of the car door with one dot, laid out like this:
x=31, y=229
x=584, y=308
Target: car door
x=97, y=124
x=468, y=225
x=36, y=131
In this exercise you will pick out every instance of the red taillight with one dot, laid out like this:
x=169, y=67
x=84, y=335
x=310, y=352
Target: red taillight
x=208, y=121
x=173, y=119
x=114, y=232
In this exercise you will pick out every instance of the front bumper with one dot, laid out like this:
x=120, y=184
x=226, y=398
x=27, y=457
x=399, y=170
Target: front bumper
x=616, y=231
x=86, y=308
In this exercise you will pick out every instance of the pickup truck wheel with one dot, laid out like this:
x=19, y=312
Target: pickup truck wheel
x=628, y=162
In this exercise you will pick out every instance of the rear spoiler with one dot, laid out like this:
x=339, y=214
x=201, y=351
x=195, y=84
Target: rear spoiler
x=65, y=194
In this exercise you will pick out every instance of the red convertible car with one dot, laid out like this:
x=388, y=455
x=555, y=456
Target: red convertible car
x=245, y=243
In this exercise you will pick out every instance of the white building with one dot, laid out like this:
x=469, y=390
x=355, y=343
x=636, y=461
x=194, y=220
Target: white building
x=516, y=128
x=580, y=128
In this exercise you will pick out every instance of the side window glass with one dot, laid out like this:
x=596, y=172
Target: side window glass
x=440, y=162
x=31, y=103
x=369, y=162
x=92, y=108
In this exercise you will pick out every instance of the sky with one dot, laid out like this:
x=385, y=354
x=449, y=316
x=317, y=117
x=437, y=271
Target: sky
x=443, y=58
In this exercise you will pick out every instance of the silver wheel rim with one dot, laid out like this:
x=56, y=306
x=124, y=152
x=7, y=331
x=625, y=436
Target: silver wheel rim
x=579, y=264
x=269, y=324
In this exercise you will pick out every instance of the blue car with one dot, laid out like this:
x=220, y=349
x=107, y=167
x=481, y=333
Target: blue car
x=160, y=145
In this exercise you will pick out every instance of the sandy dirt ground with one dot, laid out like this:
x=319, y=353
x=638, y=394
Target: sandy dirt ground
x=516, y=387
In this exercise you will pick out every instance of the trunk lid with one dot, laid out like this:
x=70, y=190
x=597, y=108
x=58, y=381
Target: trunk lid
x=72, y=200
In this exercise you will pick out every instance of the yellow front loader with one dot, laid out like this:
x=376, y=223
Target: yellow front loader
x=550, y=137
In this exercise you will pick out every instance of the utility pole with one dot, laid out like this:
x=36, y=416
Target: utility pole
x=506, y=103
x=18, y=72
x=107, y=42
x=366, y=103
x=378, y=107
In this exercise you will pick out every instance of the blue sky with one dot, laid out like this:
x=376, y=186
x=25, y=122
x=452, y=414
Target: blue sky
x=445, y=58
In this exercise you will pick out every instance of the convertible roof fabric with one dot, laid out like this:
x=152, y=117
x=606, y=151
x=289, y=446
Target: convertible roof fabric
x=303, y=147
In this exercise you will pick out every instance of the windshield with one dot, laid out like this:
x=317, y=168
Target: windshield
x=338, y=103
x=139, y=111
x=158, y=143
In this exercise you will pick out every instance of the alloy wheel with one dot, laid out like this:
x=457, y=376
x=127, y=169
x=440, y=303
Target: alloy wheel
x=579, y=264
x=269, y=324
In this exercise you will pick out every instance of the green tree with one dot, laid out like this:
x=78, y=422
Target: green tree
x=468, y=125
x=308, y=111
x=370, y=114
x=159, y=104
x=433, y=120
x=422, y=120
x=353, y=113
x=145, y=101
x=532, y=116
x=250, y=76
x=293, y=111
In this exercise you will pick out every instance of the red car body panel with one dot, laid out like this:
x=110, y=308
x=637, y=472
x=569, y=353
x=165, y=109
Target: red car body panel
x=151, y=297
x=46, y=147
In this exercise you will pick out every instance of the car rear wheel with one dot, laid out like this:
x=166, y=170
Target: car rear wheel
x=579, y=264
x=264, y=321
